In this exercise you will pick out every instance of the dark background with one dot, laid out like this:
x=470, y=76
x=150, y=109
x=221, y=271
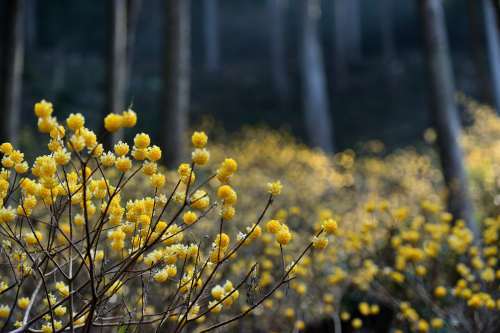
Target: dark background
x=66, y=49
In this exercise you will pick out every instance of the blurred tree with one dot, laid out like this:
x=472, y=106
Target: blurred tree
x=444, y=110
x=31, y=23
x=123, y=22
x=176, y=80
x=278, y=47
x=496, y=5
x=354, y=34
x=211, y=34
x=491, y=29
x=117, y=61
x=315, y=96
x=340, y=18
x=478, y=46
x=347, y=38
x=386, y=17
x=12, y=70
x=133, y=11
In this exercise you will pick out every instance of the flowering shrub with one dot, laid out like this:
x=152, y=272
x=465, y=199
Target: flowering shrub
x=395, y=248
x=81, y=249
x=95, y=239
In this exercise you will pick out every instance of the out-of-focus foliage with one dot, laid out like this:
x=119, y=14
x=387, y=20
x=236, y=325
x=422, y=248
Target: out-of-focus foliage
x=396, y=246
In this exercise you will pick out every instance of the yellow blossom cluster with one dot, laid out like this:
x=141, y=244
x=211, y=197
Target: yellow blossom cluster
x=78, y=237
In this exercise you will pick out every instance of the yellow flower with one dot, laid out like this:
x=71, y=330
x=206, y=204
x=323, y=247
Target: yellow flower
x=113, y=122
x=45, y=125
x=357, y=323
x=283, y=237
x=226, y=193
x=33, y=238
x=75, y=121
x=422, y=326
x=199, y=139
x=62, y=288
x=189, y=217
x=437, y=323
x=149, y=168
x=43, y=109
x=300, y=325
x=440, y=292
x=330, y=226
x=108, y=159
x=6, y=148
x=123, y=164
x=62, y=157
x=224, y=240
x=274, y=188
x=200, y=156
x=157, y=180
x=320, y=243
x=60, y=311
x=273, y=226
x=161, y=276
x=23, y=303
x=129, y=118
x=21, y=167
x=228, y=212
x=142, y=141
x=4, y=311
x=153, y=153
x=121, y=148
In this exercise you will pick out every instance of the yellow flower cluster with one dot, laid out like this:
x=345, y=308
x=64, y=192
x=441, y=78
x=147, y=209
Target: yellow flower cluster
x=85, y=229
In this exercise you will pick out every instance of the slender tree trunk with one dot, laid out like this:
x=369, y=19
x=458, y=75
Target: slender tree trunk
x=444, y=110
x=354, y=39
x=386, y=16
x=493, y=50
x=133, y=11
x=340, y=35
x=478, y=47
x=347, y=38
x=315, y=97
x=117, y=61
x=278, y=48
x=496, y=6
x=12, y=70
x=211, y=34
x=176, y=92
x=31, y=23
x=124, y=15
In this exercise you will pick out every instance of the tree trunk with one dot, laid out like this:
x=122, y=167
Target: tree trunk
x=354, y=33
x=315, y=97
x=478, y=46
x=278, y=48
x=31, y=24
x=386, y=16
x=493, y=50
x=117, y=62
x=176, y=73
x=12, y=71
x=340, y=18
x=211, y=34
x=444, y=110
x=496, y=6
x=133, y=11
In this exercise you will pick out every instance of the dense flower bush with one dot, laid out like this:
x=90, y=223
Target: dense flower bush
x=98, y=239
x=396, y=247
x=81, y=249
